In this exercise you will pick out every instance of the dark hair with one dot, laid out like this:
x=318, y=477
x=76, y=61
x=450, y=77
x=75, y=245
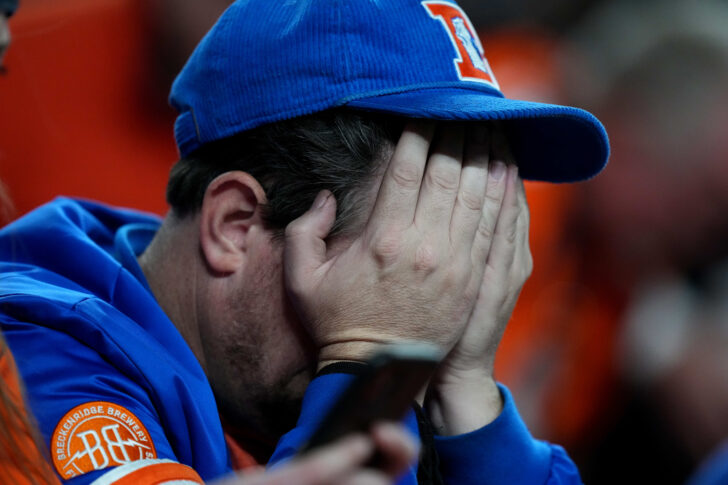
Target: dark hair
x=339, y=150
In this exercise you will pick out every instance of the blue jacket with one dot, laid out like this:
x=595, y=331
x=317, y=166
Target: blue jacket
x=110, y=379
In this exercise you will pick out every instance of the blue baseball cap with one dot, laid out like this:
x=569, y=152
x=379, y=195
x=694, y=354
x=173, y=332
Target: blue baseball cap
x=266, y=61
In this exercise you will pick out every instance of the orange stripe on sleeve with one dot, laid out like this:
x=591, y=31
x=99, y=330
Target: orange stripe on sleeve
x=150, y=472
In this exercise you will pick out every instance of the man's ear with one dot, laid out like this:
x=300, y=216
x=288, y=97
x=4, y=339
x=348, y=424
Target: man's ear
x=230, y=208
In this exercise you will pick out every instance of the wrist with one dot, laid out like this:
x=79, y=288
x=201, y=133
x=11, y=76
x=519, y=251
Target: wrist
x=463, y=403
x=357, y=351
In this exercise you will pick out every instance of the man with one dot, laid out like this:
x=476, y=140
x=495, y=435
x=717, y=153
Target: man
x=313, y=220
x=664, y=348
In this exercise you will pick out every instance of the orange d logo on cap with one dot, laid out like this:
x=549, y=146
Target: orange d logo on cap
x=470, y=62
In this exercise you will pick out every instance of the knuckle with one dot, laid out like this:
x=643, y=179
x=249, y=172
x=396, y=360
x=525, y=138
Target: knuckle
x=511, y=235
x=522, y=272
x=494, y=198
x=446, y=180
x=470, y=294
x=426, y=258
x=529, y=265
x=472, y=200
x=459, y=277
x=406, y=174
x=387, y=248
x=485, y=229
x=293, y=230
x=450, y=280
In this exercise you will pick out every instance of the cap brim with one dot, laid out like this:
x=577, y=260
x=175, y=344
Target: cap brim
x=551, y=143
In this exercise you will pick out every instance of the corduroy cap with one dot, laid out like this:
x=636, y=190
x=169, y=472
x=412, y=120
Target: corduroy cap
x=266, y=61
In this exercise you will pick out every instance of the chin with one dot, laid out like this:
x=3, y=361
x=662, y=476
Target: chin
x=257, y=415
x=278, y=405
x=282, y=405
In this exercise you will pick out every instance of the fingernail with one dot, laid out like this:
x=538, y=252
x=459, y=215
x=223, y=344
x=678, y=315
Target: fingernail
x=497, y=170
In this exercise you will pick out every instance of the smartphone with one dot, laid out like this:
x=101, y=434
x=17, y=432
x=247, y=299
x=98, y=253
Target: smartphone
x=384, y=392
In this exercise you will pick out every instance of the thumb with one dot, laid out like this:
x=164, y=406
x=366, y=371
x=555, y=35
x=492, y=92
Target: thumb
x=305, y=245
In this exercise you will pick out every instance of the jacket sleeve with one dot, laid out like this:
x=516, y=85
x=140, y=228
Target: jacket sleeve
x=321, y=394
x=97, y=422
x=504, y=452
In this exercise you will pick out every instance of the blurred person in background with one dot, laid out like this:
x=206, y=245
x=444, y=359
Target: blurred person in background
x=563, y=384
x=85, y=108
x=649, y=240
x=623, y=322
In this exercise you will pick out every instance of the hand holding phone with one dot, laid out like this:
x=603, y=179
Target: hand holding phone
x=383, y=392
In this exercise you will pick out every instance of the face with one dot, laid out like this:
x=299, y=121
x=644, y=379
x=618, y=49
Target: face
x=259, y=356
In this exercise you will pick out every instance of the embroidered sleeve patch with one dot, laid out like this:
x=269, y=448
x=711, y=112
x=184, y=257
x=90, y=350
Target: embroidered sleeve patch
x=97, y=435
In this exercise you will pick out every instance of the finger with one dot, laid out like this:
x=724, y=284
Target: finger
x=523, y=250
x=305, y=245
x=524, y=217
x=494, y=194
x=471, y=192
x=400, y=188
x=522, y=265
x=505, y=237
x=441, y=180
x=366, y=477
x=523, y=257
x=397, y=447
x=330, y=464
